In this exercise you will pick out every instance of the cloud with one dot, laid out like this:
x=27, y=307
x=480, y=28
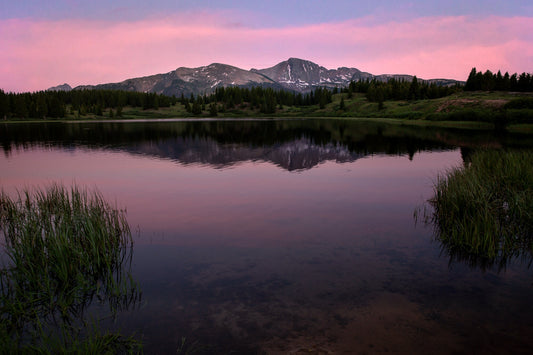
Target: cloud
x=39, y=54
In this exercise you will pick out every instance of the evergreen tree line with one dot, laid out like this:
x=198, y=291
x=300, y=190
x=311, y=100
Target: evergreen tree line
x=497, y=82
x=53, y=104
x=399, y=89
x=24, y=105
x=266, y=100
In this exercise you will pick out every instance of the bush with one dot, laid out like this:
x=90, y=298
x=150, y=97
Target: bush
x=520, y=103
x=519, y=116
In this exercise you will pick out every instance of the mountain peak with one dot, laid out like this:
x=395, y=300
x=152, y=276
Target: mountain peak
x=62, y=87
x=303, y=75
x=294, y=74
x=297, y=60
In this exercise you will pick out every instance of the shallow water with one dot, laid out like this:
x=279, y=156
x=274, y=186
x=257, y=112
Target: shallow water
x=285, y=236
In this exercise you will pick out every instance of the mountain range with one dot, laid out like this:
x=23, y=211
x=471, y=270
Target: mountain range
x=293, y=74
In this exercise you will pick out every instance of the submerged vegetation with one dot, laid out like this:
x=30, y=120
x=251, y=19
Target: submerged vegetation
x=63, y=249
x=483, y=212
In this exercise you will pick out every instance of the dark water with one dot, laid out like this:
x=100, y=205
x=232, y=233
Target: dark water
x=285, y=236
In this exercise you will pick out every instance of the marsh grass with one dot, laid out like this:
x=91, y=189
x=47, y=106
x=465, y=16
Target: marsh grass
x=65, y=248
x=483, y=212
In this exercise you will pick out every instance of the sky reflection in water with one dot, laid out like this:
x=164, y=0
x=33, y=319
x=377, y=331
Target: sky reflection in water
x=253, y=252
x=251, y=202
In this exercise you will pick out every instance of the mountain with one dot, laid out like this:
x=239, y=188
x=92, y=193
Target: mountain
x=62, y=87
x=303, y=75
x=188, y=81
x=293, y=74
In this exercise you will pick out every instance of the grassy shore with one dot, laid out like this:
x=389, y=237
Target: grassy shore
x=490, y=109
x=483, y=211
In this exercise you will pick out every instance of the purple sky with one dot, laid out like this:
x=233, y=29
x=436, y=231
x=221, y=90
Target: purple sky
x=43, y=44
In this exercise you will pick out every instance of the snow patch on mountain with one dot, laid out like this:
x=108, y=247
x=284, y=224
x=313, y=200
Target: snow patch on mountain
x=293, y=74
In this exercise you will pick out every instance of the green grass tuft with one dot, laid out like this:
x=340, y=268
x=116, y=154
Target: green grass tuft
x=65, y=248
x=483, y=211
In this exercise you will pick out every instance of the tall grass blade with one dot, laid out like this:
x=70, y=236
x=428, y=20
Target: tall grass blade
x=65, y=248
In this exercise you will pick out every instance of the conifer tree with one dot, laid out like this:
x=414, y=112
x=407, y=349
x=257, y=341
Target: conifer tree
x=196, y=108
x=414, y=89
x=213, y=109
x=471, y=81
x=4, y=105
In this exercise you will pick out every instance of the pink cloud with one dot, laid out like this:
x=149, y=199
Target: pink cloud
x=39, y=54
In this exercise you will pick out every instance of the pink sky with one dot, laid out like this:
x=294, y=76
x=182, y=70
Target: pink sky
x=37, y=54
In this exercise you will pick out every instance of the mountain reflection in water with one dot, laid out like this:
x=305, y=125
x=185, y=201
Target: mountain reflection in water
x=285, y=236
x=290, y=144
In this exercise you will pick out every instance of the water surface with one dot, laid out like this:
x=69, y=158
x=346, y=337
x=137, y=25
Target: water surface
x=285, y=236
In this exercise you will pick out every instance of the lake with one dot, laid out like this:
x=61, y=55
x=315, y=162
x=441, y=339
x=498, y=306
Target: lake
x=285, y=236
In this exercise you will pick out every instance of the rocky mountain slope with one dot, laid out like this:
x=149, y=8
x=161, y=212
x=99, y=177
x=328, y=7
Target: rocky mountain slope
x=62, y=87
x=302, y=75
x=293, y=74
x=191, y=81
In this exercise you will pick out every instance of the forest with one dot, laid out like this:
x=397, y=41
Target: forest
x=80, y=103
x=395, y=89
x=497, y=82
x=54, y=104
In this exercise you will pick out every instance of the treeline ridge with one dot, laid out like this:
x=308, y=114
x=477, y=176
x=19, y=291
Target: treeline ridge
x=497, y=82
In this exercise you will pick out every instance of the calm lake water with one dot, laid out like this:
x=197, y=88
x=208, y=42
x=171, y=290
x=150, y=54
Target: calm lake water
x=285, y=236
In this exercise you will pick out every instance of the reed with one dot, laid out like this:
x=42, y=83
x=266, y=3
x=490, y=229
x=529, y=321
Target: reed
x=484, y=210
x=65, y=248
